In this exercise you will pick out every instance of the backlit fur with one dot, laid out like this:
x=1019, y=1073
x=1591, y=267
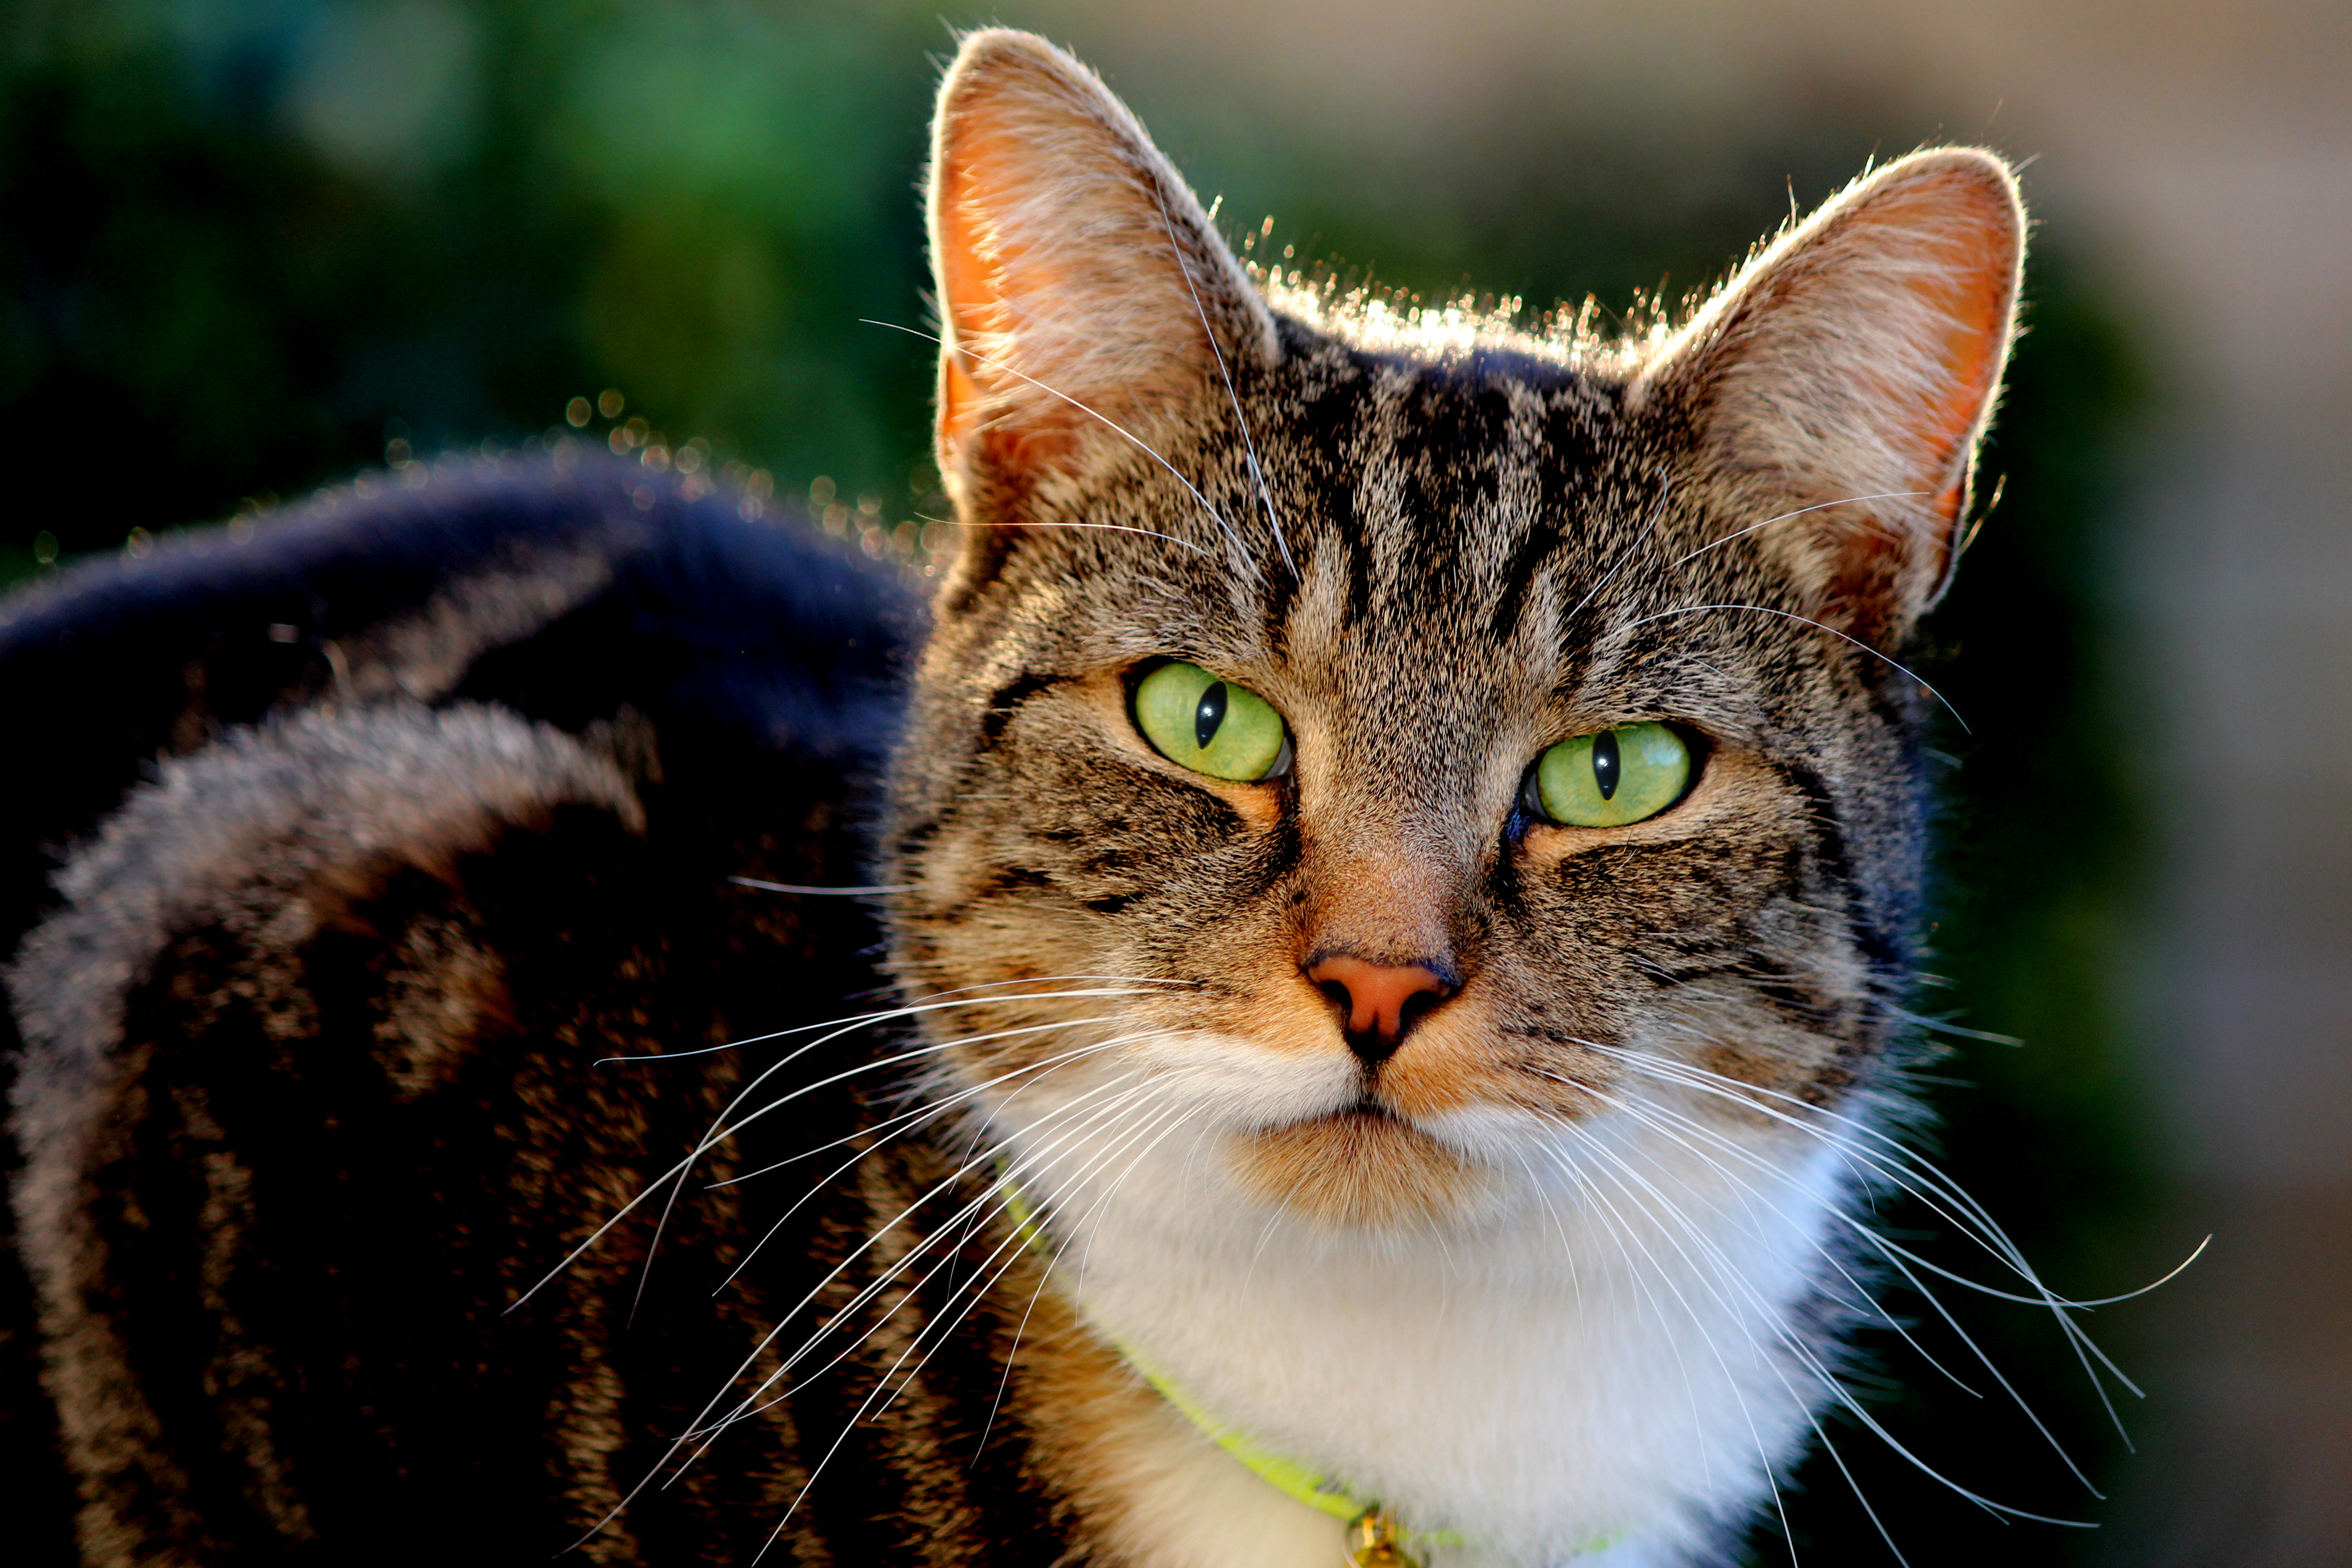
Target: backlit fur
x=1556, y=1273
x=513, y=841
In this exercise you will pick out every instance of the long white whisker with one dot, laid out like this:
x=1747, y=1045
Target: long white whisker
x=1056, y=1062
x=697, y=1427
x=1623, y=1233
x=884, y=1229
x=1836, y=1390
x=1842, y=501
x=1896, y=665
x=1665, y=1122
x=719, y=1133
x=1249, y=445
x=881, y=1390
x=983, y=1205
x=1173, y=1116
x=1140, y=444
x=1657, y=516
x=932, y=1003
x=865, y=1407
x=1977, y=1226
x=1898, y=1165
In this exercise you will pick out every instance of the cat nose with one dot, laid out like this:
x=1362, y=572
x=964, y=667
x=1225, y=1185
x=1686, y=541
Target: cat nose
x=1377, y=1002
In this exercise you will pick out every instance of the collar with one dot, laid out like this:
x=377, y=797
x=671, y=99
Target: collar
x=1375, y=1539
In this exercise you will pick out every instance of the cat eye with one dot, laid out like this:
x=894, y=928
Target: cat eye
x=1211, y=726
x=1611, y=777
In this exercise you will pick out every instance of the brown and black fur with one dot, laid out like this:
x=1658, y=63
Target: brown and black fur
x=1436, y=547
x=378, y=833
x=311, y=1090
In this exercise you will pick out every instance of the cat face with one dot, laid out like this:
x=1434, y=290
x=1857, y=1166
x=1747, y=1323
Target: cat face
x=1369, y=946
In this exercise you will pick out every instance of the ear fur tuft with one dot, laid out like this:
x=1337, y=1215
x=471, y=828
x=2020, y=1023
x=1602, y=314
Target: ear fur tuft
x=1075, y=270
x=1860, y=356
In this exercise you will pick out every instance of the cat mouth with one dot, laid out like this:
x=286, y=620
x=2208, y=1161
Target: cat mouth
x=1362, y=1163
x=1366, y=1116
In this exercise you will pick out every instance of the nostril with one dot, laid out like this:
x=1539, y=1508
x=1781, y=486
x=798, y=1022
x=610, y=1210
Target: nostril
x=1377, y=1004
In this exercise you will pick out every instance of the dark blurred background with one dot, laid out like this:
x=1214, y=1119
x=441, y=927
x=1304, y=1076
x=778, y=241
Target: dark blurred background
x=250, y=247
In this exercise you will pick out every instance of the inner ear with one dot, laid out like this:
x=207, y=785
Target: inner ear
x=1086, y=299
x=1844, y=379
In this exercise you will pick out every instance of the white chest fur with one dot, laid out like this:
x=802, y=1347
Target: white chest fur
x=1589, y=1376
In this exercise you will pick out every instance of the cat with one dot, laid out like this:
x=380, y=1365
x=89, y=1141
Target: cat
x=1328, y=993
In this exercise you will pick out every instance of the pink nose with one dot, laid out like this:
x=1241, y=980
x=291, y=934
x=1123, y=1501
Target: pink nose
x=1378, y=1002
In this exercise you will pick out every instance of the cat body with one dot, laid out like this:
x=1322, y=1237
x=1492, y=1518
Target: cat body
x=1173, y=1159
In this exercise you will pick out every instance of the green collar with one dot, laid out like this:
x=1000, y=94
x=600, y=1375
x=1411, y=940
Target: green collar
x=1286, y=1476
x=1373, y=1532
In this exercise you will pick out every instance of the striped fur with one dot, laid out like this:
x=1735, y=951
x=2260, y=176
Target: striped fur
x=319, y=1018
x=1436, y=546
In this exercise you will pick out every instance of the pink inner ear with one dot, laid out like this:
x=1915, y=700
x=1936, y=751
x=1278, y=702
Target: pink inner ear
x=983, y=268
x=1964, y=284
x=1943, y=245
x=1077, y=273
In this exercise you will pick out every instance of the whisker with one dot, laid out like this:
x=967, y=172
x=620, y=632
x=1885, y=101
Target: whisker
x=1807, y=620
x=984, y=1206
x=1824, y=506
x=929, y=1110
x=1623, y=1233
x=866, y=1408
x=1664, y=1122
x=1829, y=1384
x=1973, y=1223
x=717, y=1136
x=1004, y=1381
x=767, y=887
x=989, y=1204
x=1657, y=515
x=1140, y=444
x=697, y=1426
x=886, y=1228
x=929, y=1004
x=977, y=1290
x=1909, y=1173
x=1249, y=445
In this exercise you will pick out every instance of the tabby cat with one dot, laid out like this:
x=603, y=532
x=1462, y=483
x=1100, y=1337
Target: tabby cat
x=1329, y=998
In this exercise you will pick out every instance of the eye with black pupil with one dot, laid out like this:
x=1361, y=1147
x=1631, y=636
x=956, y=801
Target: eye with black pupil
x=1611, y=778
x=1209, y=715
x=1210, y=725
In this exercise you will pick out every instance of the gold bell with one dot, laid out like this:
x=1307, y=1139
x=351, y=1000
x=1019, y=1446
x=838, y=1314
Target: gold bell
x=1373, y=1542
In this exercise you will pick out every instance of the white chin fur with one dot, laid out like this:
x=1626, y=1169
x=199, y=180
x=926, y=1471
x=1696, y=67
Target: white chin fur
x=1594, y=1368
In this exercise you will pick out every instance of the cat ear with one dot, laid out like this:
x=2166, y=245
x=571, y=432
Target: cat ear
x=1081, y=287
x=1852, y=367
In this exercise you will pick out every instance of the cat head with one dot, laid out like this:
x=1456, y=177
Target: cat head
x=1373, y=743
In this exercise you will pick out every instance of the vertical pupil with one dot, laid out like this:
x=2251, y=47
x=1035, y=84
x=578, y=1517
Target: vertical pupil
x=1209, y=715
x=1605, y=762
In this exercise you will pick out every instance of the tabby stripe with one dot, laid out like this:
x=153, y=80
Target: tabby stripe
x=1883, y=952
x=1006, y=700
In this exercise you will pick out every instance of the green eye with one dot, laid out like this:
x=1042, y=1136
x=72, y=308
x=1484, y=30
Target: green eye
x=1611, y=777
x=1210, y=726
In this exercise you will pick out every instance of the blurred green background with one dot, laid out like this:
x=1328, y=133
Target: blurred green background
x=250, y=245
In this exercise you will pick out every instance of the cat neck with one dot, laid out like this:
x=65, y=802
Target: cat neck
x=1596, y=1369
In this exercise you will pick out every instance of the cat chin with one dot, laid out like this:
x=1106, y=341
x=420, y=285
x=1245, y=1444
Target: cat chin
x=1528, y=1381
x=1361, y=1167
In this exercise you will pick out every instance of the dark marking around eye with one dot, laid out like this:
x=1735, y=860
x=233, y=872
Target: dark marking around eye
x=1209, y=715
x=1606, y=764
x=1004, y=699
x=1888, y=956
